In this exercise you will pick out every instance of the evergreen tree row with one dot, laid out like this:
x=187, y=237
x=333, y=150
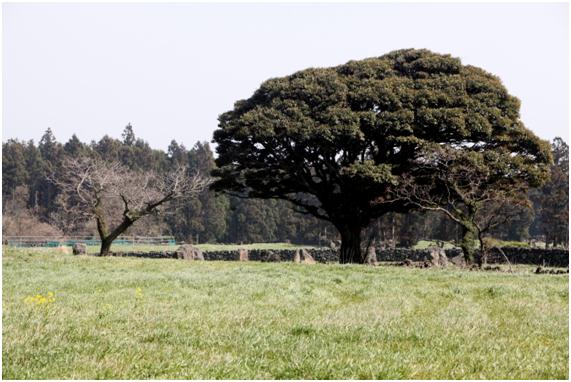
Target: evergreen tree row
x=26, y=168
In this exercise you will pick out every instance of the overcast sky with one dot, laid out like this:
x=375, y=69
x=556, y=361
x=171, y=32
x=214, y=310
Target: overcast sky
x=171, y=69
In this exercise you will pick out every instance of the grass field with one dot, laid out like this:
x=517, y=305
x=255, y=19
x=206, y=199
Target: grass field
x=133, y=318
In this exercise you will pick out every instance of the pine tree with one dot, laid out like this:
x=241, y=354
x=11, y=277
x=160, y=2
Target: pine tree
x=74, y=147
x=128, y=135
x=14, y=171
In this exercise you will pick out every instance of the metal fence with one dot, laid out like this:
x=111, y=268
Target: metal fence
x=56, y=241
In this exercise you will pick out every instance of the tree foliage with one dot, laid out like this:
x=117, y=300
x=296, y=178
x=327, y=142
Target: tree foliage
x=336, y=142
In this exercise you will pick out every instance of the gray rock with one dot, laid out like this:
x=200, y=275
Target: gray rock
x=458, y=260
x=371, y=256
x=437, y=257
x=271, y=257
x=79, y=249
x=189, y=252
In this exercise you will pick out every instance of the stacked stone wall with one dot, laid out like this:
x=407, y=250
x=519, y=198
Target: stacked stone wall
x=535, y=256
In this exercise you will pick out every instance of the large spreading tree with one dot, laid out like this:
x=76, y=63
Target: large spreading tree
x=337, y=142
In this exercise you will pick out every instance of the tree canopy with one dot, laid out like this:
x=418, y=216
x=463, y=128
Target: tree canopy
x=336, y=142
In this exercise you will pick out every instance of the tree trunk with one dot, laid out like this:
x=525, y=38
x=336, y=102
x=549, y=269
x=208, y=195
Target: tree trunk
x=483, y=258
x=351, y=245
x=107, y=240
x=467, y=244
x=105, y=247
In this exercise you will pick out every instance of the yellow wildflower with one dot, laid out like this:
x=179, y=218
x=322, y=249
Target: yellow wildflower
x=40, y=299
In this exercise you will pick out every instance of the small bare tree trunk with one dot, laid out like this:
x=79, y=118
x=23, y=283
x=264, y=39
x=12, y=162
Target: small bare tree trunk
x=483, y=258
x=107, y=239
x=105, y=247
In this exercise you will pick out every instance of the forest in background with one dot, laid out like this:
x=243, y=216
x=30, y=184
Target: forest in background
x=31, y=204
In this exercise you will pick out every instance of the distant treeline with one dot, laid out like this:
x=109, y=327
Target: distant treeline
x=30, y=200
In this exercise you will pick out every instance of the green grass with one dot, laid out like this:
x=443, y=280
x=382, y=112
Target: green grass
x=231, y=320
x=423, y=244
x=230, y=247
x=204, y=247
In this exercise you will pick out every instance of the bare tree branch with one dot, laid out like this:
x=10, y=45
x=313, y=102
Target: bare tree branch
x=92, y=187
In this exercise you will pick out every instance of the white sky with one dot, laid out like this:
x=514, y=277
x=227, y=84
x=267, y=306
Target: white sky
x=171, y=69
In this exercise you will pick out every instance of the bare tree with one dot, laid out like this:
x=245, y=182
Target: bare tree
x=116, y=197
x=470, y=194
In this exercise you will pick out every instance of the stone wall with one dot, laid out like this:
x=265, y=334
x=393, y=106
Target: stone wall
x=536, y=256
x=147, y=255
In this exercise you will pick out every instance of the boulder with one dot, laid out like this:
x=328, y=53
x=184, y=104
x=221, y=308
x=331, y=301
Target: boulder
x=79, y=249
x=243, y=253
x=306, y=258
x=458, y=260
x=271, y=257
x=189, y=252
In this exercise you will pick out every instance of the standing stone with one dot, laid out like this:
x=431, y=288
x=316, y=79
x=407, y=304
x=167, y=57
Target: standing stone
x=443, y=258
x=79, y=249
x=371, y=257
x=189, y=252
x=437, y=257
x=306, y=257
x=297, y=257
x=243, y=253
